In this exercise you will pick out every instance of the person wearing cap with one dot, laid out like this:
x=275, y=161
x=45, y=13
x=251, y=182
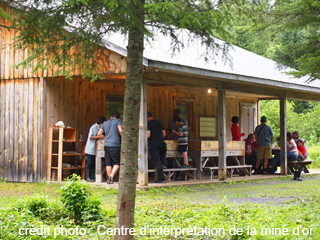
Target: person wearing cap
x=264, y=137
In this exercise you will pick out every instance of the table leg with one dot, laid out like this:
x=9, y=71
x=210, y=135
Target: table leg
x=98, y=170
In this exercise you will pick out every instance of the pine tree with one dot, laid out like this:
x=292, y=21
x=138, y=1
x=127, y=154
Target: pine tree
x=50, y=29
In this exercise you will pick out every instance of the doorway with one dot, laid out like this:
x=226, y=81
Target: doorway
x=248, y=116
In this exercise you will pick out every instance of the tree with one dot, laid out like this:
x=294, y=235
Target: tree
x=70, y=32
x=301, y=21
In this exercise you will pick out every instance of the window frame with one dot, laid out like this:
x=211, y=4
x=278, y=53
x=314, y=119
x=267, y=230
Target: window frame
x=190, y=101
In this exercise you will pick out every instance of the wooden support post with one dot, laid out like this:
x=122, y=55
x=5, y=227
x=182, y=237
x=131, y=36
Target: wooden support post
x=283, y=136
x=222, y=134
x=143, y=140
x=196, y=158
x=60, y=152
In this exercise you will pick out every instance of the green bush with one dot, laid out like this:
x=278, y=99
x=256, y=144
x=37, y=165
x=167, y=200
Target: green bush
x=79, y=202
x=314, y=153
x=38, y=205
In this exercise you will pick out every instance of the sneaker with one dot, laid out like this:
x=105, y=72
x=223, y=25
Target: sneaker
x=178, y=178
x=161, y=181
x=184, y=166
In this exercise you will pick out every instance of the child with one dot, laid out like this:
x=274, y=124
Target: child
x=183, y=140
x=301, y=149
x=90, y=149
x=235, y=130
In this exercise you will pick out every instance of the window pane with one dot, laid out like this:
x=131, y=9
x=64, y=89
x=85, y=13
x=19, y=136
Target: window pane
x=185, y=110
x=114, y=104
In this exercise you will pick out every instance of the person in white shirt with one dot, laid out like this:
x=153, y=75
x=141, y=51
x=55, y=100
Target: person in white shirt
x=90, y=149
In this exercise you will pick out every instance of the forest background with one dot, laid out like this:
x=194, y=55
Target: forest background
x=289, y=36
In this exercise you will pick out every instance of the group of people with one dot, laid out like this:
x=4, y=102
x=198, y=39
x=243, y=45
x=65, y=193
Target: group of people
x=178, y=130
x=258, y=147
x=111, y=131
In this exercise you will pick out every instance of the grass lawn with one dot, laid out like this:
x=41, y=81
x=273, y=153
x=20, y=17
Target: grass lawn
x=264, y=209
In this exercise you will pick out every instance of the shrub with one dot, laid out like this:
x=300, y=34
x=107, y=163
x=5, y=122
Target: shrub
x=81, y=204
x=38, y=205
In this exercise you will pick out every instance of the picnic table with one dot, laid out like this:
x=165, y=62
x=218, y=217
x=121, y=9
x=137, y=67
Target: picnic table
x=291, y=164
x=210, y=149
x=172, y=152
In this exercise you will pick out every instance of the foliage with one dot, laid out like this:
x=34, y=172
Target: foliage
x=79, y=201
x=314, y=153
x=277, y=203
x=38, y=205
x=306, y=123
x=73, y=33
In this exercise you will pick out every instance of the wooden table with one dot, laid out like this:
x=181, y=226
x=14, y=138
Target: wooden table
x=210, y=149
x=290, y=164
x=172, y=152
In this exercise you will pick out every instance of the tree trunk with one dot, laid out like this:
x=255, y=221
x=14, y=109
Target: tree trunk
x=129, y=144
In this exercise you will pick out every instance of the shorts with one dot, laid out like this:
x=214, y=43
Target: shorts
x=183, y=148
x=264, y=152
x=112, y=156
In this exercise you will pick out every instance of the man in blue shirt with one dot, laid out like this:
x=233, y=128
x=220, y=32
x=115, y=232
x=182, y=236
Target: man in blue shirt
x=112, y=129
x=264, y=136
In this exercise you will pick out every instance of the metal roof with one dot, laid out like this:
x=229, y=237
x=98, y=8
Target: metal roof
x=243, y=65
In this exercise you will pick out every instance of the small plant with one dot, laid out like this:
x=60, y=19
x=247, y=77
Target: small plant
x=4, y=180
x=81, y=204
x=38, y=205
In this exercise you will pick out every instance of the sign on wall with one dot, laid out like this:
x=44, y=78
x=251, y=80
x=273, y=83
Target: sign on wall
x=207, y=126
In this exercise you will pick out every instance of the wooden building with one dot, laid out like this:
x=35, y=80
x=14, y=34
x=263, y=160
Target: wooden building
x=30, y=103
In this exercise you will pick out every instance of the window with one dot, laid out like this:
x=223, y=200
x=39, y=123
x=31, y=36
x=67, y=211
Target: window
x=114, y=104
x=186, y=107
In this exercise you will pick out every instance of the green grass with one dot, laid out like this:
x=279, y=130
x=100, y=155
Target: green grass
x=314, y=153
x=272, y=203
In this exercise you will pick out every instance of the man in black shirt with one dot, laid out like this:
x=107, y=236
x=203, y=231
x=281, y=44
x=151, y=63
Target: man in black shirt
x=157, y=146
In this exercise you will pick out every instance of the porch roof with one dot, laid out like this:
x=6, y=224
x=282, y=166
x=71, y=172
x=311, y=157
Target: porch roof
x=244, y=66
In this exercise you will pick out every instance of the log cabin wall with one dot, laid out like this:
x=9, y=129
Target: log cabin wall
x=110, y=61
x=21, y=118
x=78, y=103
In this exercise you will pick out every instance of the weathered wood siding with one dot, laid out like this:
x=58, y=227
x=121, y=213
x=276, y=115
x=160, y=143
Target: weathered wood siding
x=78, y=103
x=161, y=104
x=10, y=56
x=21, y=118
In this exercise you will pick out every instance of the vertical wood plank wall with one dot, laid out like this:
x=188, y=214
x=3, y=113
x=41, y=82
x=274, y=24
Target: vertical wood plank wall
x=78, y=103
x=10, y=56
x=29, y=107
x=161, y=104
x=21, y=129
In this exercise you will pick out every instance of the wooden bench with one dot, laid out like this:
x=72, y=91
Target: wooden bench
x=302, y=164
x=230, y=168
x=168, y=173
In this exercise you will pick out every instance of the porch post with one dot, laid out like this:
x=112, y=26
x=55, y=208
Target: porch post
x=283, y=136
x=143, y=140
x=222, y=134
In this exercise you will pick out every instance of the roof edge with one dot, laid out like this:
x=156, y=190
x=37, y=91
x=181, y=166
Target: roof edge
x=230, y=76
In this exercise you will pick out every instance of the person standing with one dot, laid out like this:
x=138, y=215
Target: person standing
x=235, y=130
x=90, y=149
x=112, y=129
x=183, y=140
x=264, y=137
x=157, y=146
x=172, y=136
